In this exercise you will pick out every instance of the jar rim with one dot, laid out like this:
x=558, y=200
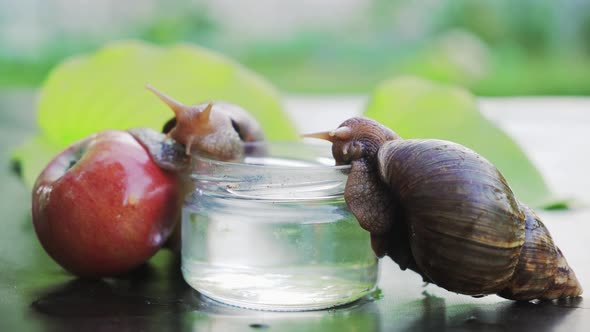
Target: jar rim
x=279, y=171
x=319, y=148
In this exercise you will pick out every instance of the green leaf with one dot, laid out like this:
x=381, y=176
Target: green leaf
x=89, y=93
x=418, y=108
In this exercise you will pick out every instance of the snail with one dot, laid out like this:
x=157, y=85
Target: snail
x=219, y=129
x=445, y=212
x=222, y=131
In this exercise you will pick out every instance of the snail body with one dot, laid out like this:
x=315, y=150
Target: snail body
x=445, y=212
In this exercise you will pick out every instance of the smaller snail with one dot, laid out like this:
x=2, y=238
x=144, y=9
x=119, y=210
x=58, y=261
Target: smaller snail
x=219, y=129
x=445, y=212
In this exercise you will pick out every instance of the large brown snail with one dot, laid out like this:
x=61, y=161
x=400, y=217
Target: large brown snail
x=445, y=212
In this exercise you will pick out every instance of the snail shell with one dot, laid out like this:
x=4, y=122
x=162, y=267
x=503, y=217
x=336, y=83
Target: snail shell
x=442, y=210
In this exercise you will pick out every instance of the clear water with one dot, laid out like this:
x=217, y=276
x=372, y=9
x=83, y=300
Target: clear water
x=275, y=255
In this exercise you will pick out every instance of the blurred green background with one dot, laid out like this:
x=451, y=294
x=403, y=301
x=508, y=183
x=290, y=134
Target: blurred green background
x=492, y=47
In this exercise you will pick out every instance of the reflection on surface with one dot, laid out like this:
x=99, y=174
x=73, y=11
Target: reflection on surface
x=433, y=314
x=507, y=316
x=156, y=299
x=362, y=315
x=149, y=298
x=98, y=305
x=102, y=299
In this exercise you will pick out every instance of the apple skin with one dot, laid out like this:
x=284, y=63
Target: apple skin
x=102, y=206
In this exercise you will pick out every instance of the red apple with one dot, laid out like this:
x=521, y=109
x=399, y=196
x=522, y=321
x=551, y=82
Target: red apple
x=102, y=207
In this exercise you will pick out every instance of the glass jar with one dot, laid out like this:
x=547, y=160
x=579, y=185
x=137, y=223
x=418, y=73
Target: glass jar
x=274, y=232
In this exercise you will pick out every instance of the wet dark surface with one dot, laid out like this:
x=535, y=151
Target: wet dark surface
x=37, y=295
